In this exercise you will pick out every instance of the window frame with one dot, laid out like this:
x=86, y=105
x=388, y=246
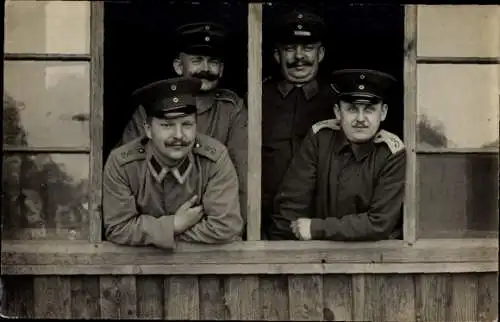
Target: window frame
x=97, y=257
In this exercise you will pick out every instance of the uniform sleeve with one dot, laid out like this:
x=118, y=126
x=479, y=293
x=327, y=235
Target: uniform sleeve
x=122, y=222
x=383, y=215
x=222, y=220
x=135, y=127
x=237, y=146
x=295, y=198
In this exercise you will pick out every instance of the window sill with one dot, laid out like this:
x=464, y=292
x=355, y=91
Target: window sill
x=260, y=257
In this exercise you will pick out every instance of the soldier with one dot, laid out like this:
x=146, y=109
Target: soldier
x=347, y=181
x=173, y=183
x=221, y=114
x=291, y=105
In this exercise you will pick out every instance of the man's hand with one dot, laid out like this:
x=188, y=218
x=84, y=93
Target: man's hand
x=187, y=215
x=302, y=228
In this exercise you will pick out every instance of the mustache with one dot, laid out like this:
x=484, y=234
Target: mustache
x=298, y=63
x=176, y=142
x=206, y=75
x=359, y=125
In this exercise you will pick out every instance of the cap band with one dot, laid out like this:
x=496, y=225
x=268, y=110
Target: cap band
x=175, y=112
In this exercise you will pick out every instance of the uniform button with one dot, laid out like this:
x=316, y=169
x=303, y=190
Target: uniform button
x=197, y=145
x=173, y=87
x=362, y=76
x=207, y=38
x=207, y=27
x=175, y=99
x=361, y=87
x=300, y=16
x=299, y=27
x=140, y=150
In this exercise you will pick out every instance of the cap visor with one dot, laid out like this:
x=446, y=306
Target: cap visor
x=360, y=97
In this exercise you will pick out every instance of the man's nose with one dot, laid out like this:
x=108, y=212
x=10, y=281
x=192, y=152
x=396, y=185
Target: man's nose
x=178, y=132
x=204, y=65
x=299, y=52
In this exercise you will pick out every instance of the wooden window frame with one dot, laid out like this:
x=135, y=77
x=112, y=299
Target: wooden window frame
x=97, y=257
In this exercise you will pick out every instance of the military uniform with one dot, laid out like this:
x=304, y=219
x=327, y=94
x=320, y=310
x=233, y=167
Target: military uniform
x=221, y=113
x=288, y=111
x=141, y=194
x=351, y=191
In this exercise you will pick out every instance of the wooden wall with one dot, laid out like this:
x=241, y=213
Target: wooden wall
x=377, y=297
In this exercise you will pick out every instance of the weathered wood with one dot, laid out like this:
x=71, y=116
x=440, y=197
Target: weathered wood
x=241, y=298
x=118, y=297
x=150, y=297
x=459, y=60
x=439, y=297
x=252, y=269
x=432, y=297
x=398, y=297
x=410, y=222
x=19, y=296
x=487, y=299
x=338, y=298
x=52, y=297
x=464, y=297
x=84, y=295
x=305, y=297
x=274, y=298
x=254, y=120
x=182, y=297
x=96, y=119
x=211, y=297
x=46, y=57
x=287, y=252
x=488, y=150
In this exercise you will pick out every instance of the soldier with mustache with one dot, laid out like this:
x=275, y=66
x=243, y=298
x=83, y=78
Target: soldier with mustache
x=293, y=103
x=221, y=113
x=347, y=181
x=173, y=184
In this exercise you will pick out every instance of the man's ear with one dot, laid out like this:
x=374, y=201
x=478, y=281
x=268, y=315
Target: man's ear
x=336, y=111
x=321, y=53
x=276, y=55
x=385, y=107
x=178, y=66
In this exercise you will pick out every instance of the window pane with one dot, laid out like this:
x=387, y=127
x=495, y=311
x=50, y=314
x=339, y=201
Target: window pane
x=47, y=27
x=46, y=104
x=457, y=106
x=458, y=195
x=45, y=196
x=458, y=31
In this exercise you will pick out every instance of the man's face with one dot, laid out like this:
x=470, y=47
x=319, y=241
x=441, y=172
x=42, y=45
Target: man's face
x=360, y=121
x=208, y=69
x=173, y=138
x=299, y=62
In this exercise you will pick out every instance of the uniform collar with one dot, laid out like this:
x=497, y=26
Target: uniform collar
x=159, y=171
x=205, y=101
x=310, y=89
x=360, y=151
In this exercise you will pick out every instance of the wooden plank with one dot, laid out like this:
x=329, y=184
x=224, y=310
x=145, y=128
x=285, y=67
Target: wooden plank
x=305, y=298
x=432, y=297
x=46, y=57
x=19, y=296
x=288, y=252
x=49, y=150
x=273, y=296
x=459, y=60
x=457, y=150
x=118, y=297
x=398, y=297
x=254, y=105
x=410, y=222
x=182, y=301
x=373, y=306
x=487, y=299
x=96, y=119
x=251, y=269
x=338, y=298
x=464, y=297
x=211, y=297
x=52, y=297
x=241, y=298
x=358, y=298
x=84, y=295
x=150, y=297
